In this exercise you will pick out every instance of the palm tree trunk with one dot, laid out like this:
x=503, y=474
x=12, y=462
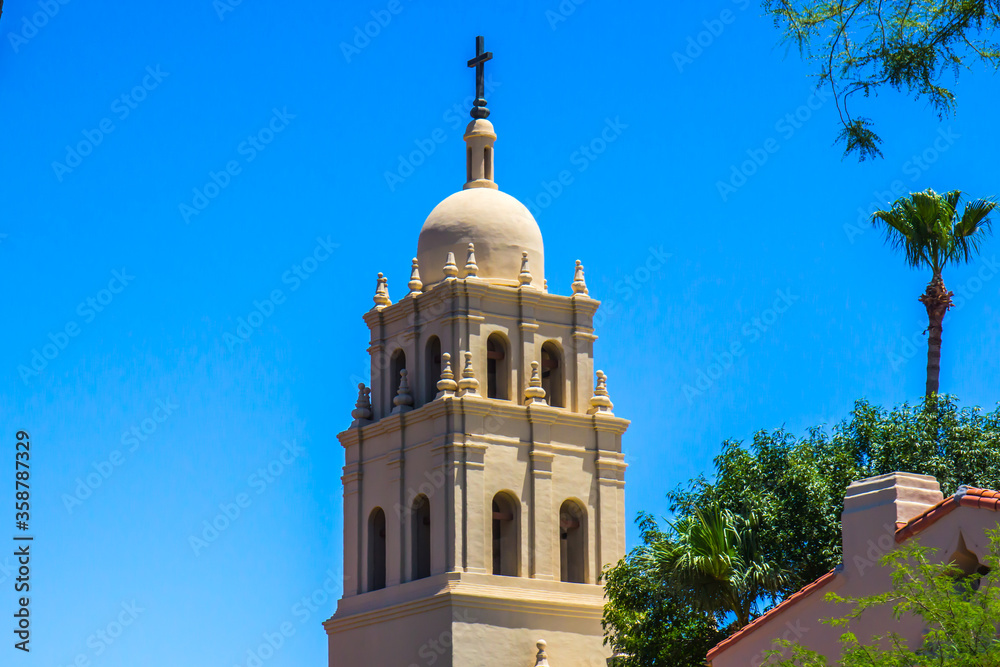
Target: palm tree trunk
x=937, y=301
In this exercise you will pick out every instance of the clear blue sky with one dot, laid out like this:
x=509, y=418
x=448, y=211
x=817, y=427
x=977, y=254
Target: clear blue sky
x=328, y=124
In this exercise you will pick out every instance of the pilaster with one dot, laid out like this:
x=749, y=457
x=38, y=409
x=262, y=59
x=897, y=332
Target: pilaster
x=351, y=479
x=610, y=469
x=397, y=522
x=543, y=550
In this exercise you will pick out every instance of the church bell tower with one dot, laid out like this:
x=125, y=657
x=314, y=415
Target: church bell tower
x=484, y=476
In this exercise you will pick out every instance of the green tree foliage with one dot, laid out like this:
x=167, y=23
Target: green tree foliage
x=796, y=486
x=960, y=611
x=928, y=230
x=861, y=46
x=715, y=555
x=648, y=619
x=791, y=491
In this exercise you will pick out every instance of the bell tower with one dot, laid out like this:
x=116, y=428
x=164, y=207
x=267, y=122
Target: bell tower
x=483, y=477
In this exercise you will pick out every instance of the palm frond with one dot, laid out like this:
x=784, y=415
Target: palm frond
x=973, y=227
x=926, y=229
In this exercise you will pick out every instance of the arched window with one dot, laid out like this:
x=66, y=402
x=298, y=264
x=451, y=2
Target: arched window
x=420, y=536
x=396, y=364
x=497, y=367
x=432, y=366
x=552, y=374
x=573, y=542
x=376, y=549
x=505, y=531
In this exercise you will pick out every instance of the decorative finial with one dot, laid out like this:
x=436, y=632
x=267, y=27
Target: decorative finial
x=524, y=278
x=535, y=393
x=542, y=659
x=403, y=400
x=600, y=402
x=471, y=270
x=363, y=408
x=579, y=284
x=381, y=298
x=468, y=385
x=415, y=284
x=446, y=385
x=479, y=109
x=450, y=268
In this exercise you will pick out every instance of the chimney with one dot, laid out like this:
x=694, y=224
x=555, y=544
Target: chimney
x=875, y=507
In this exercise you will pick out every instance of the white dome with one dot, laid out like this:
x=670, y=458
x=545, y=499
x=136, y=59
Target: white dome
x=500, y=226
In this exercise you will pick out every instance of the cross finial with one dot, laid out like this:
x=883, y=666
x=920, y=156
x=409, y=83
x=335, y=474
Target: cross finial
x=479, y=109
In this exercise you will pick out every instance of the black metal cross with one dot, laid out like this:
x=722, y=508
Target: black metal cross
x=479, y=109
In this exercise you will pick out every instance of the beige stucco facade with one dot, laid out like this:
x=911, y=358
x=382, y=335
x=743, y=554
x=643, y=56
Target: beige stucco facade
x=484, y=476
x=880, y=513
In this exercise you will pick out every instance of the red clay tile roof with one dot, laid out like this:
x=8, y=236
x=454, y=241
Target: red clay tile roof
x=966, y=496
x=763, y=618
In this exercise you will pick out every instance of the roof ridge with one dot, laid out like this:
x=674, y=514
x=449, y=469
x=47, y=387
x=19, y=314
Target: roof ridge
x=965, y=496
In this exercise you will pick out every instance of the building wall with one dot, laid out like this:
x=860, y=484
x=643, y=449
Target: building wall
x=860, y=576
x=459, y=452
x=470, y=620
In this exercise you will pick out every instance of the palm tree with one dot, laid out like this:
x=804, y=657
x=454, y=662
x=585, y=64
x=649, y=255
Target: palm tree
x=925, y=226
x=714, y=556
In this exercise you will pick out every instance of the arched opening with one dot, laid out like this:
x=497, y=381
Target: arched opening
x=505, y=531
x=572, y=542
x=420, y=536
x=552, y=374
x=397, y=363
x=432, y=366
x=497, y=367
x=488, y=162
x=376, y=549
